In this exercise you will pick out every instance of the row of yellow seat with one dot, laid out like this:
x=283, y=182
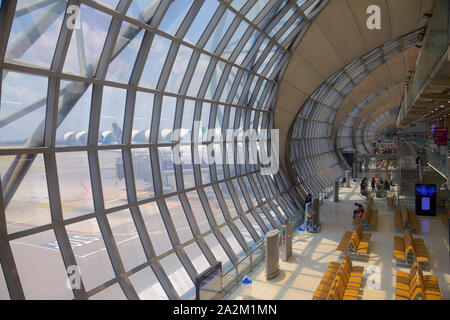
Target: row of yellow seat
x=416, y=286
x=405, y=219
x=341, y=281
x=355, y=243
x=408, y=250
x=369, y=219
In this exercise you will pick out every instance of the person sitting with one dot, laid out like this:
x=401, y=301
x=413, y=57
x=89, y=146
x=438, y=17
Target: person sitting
x=359, y=210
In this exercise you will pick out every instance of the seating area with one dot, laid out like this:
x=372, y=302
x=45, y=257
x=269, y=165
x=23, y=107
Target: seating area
x=445, y=219
x=408, y=250
x=342, y=281
x=368, y=221
x=415, y=286
x=355, y=243
x=405, y=219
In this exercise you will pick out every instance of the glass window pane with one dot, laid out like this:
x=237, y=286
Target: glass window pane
x=256, y=9
x=204, y=167
x=73, y=130
x=34, y=35
x=87, y=41
x=197, y=258
x=29, y=207
x=215, y=78
x=245, y=233
x=113, y=292
x=25, y=93
x=234, y=41
x=147, y=285
x=90, y=252
x=239, y=194
x=174, y=16
x=177, y=275
x=255, y=225
x=234, y=244
x=179, y=219
x=143, y=176
x=169, y=105
x=127, y=239
x=238, y=4
x=214, y=205
x=40, y=267
x=155, y=227
x=197, y=210
x=248, y=46
x=178, y=69
x=142, y=119
x=199, y=74
x=187, y=167
x=155, y=62
x=167, y=171
x=128, y=41
x=228, y=200
x=143, y=10
x=112, y=114
x=219, y=31
x=187, y=121
x=201, y=21
x=112, y=174
x=218, y=252
x=74, y=184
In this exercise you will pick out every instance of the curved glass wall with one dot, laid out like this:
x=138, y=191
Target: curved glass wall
x=345, y=130
x=371, y=129
x=109, y=119
x=312, y=152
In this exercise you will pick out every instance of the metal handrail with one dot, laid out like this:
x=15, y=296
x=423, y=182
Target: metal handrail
x=435, y=45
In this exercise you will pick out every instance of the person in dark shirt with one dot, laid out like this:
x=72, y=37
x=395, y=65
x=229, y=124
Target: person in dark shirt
x=373, y=183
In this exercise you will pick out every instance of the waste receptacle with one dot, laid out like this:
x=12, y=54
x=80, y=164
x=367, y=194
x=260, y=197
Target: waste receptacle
x=302, y=233
x=246, y=288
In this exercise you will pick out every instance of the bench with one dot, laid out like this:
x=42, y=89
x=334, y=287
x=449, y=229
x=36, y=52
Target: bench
x=368, y=220
x=415, y=286
x=340, y=281
x=408, y=250
x=445, y=219
x=390, y=200
x=355, y=243
x=405, y=219
x=369, y=200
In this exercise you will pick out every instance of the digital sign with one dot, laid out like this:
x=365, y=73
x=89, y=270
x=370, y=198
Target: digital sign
x=426, y=199
x=433, y=126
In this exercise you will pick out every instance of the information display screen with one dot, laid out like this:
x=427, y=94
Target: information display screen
x=426, y=199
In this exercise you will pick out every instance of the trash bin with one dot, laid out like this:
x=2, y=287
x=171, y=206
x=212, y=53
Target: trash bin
x=246, y=288
x=302, y=233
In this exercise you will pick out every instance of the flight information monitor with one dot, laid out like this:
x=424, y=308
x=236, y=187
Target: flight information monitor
x=426, y=199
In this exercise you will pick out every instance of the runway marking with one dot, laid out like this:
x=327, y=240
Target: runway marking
x=21, y=221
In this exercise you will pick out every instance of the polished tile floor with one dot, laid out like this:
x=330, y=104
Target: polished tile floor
x=299, y=277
